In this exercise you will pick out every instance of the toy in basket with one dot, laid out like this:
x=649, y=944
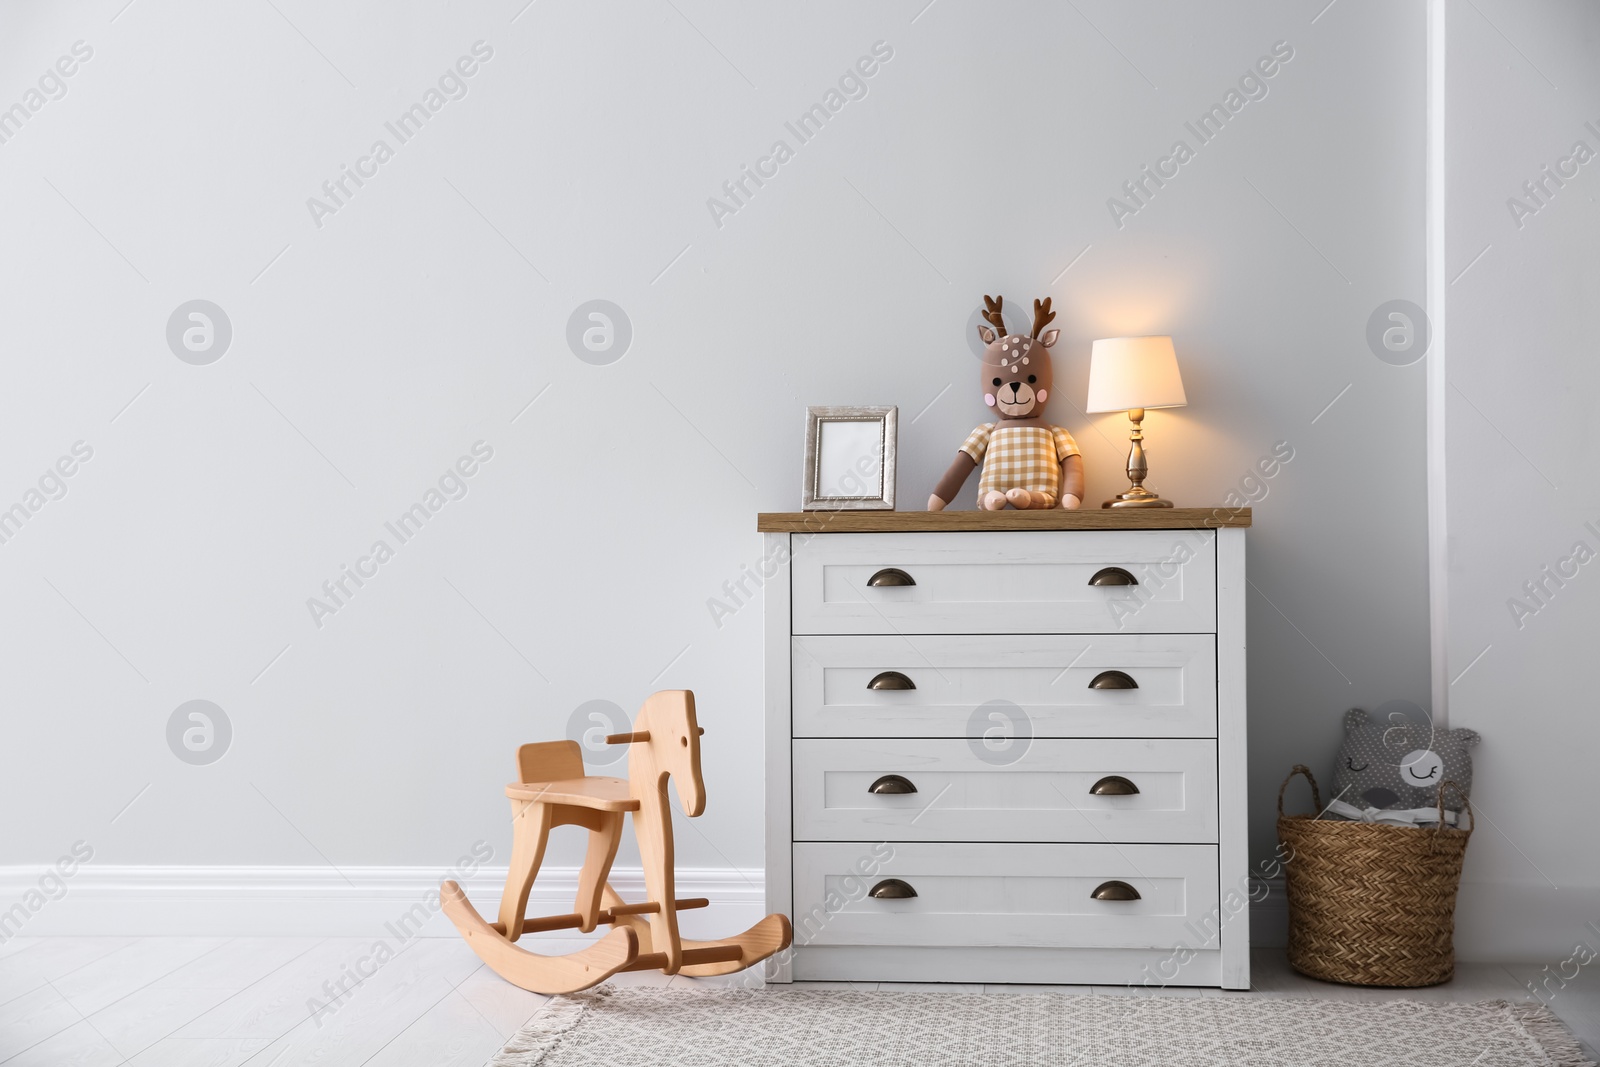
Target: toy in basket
x=553, y=790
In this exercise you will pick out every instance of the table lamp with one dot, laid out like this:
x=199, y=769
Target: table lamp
x=1131, y=374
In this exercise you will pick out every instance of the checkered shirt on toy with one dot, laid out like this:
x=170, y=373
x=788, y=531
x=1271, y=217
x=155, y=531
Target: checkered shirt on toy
x=1020, y=457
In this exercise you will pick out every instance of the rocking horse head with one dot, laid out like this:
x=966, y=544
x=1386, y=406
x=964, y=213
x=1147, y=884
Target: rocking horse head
x=673, y=748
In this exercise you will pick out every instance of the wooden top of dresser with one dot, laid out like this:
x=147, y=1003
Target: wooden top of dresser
x=977, y=521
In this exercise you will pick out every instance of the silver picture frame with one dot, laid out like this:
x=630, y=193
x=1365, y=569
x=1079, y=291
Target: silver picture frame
x=850, y=459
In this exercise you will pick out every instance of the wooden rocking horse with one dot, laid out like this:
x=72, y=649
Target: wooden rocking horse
x=553, y=790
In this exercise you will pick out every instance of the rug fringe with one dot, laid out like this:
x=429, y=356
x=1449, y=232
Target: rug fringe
x=1550, y=1034
x=542, y=1033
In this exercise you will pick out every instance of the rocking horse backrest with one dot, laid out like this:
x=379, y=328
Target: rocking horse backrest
x=549, y=761
x=673, y=749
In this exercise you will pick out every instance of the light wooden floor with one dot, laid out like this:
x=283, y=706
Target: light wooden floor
x=215, y=1002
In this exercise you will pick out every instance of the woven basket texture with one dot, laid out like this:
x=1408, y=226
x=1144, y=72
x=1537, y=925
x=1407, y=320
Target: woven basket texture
x=1371, y=904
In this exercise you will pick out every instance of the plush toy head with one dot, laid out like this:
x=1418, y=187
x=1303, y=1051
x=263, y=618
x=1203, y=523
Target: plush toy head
x=1398, y=765
x=1016, y=367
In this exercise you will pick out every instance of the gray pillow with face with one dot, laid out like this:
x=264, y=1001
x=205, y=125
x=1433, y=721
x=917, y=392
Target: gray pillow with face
x=1389, y=765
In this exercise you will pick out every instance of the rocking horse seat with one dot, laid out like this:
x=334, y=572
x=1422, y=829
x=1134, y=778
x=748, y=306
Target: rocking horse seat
x=598, y=794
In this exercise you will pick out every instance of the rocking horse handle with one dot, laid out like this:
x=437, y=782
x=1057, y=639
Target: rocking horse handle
x=636, y=737
x=640, y=736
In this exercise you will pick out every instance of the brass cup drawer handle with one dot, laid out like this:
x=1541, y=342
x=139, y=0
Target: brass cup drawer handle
x=1113, y=785
x=1112, y=576
x=892, y=889
x=895, y=783
x=1115, y=890
x=1113, y=680
x=891, y=680
x=890, y=576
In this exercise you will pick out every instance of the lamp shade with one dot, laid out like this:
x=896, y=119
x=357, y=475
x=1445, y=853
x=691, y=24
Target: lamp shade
x=1134, y=372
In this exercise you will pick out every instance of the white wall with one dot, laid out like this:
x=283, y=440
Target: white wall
x=372, y=351
x=1523, y=87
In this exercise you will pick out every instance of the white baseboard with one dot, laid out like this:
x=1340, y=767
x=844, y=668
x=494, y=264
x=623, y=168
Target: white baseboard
x=150, y=901
x=1269, y=913
x=1522, y=922
x=1495, y=921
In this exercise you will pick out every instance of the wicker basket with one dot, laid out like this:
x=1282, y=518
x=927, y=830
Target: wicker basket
x=1371, y=904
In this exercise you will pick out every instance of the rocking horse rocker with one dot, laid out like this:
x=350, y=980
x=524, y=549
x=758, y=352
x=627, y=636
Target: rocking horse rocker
x=553, y=790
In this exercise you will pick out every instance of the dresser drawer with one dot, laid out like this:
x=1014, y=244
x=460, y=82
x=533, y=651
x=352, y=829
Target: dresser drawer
x=998, y=583
x=1044, y=791
x=1005, y=685
x=1034, y=896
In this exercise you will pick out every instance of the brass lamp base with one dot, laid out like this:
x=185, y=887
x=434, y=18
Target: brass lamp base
x=1137, y=496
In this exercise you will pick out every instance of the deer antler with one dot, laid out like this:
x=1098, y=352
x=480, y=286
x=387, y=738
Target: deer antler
x=1041, y=316
x=993, y=312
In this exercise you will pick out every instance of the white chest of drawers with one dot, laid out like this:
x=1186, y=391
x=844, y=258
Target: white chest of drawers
x=1008, y=747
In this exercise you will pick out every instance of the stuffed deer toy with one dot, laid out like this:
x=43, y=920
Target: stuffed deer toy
x=1027, y=463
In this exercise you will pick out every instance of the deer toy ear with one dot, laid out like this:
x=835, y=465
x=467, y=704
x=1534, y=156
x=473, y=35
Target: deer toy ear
x=986, y=333
x=1049, y=337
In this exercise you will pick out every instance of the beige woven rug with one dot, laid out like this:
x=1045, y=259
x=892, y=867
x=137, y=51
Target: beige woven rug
x=802, y=1028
